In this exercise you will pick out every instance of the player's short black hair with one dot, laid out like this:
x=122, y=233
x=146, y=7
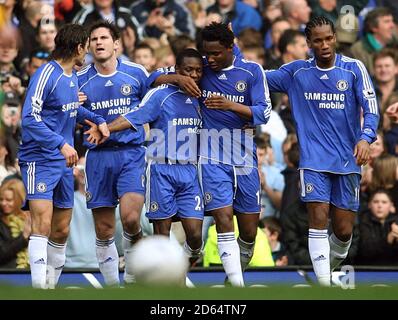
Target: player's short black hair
x=187, y=53
x=218, y=32
x=68, y=39
x=317, y=22
x=113, y=30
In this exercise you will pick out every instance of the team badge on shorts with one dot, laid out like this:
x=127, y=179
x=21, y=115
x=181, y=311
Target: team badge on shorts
x=88, y=196
x=342, y=85
x=208, y=197
x=309, y=187
x=41, y=187
x=153, y=206
x=241, y=86
x=126, y=89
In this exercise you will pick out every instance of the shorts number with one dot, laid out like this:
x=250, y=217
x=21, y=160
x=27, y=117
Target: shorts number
x=198, y=203
x=258, y=196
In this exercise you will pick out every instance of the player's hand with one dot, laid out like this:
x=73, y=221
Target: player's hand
x=94, y=134
x=217, y=102
x=103, y=128
x=189, y=86
x=82, y=97
x=70, y=155
x=362, y=152
x=392, y=112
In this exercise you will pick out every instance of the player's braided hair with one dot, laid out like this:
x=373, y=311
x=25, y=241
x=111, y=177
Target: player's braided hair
x=218, y=32
x=317, y=22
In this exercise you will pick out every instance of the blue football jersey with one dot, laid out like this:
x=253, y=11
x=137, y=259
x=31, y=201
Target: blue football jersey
x=326, y=106
x=175, y=121
x=49, y=114
x=113, y=95
x=222, y=139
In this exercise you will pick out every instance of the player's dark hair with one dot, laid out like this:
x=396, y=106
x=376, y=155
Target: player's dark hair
x=218, y=32
x=67, y=41
x=289, y=36
x=187, y=53
x=113, y=30
x=318, y=22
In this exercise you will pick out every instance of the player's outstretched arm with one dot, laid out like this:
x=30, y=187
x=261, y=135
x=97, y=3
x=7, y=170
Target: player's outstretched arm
x=119, y=124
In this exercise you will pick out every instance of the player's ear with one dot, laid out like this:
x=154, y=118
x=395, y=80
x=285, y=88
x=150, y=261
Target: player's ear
x=117, y=44
x=308, y=43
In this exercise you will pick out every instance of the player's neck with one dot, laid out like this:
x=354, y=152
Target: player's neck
x=326, y=64
x=67, y=66
x=107, y=67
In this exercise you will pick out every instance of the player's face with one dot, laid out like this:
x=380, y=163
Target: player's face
x=218, y=56
x=191, y=67
x=323, y=44
x=102, y=46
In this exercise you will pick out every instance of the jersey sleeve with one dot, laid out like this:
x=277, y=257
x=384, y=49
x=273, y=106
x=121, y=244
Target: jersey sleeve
x=39, y=89
x=366, y=96
x=147, y=111
x=143, y=78
x=261, y=103
x=154, y=75
x=279, y=80
x=83, y=114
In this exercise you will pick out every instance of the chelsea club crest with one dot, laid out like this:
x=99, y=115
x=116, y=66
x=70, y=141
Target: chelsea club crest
x=126, y=89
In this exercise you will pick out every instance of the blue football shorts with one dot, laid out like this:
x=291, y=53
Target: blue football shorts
x=226, y=185
x=173, y=190
x=112, y=172
x=49, y=180
x=340, y=190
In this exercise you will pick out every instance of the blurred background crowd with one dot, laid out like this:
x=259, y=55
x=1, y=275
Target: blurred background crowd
x=269, y=32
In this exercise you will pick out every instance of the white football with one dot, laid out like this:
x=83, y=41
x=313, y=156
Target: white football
x=157, y=260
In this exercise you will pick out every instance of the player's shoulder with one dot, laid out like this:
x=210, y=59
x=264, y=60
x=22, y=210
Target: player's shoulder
x=132, y=67
x=299, y=64
x=351, y=63
x=249, y=67
x=161, y=91
x=86, y=71
x=48, y=71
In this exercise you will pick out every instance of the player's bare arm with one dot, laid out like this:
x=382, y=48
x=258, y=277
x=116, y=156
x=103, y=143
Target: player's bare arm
x=361, y=152
x=119, y=124
x=187, y=84
x=222, y=103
